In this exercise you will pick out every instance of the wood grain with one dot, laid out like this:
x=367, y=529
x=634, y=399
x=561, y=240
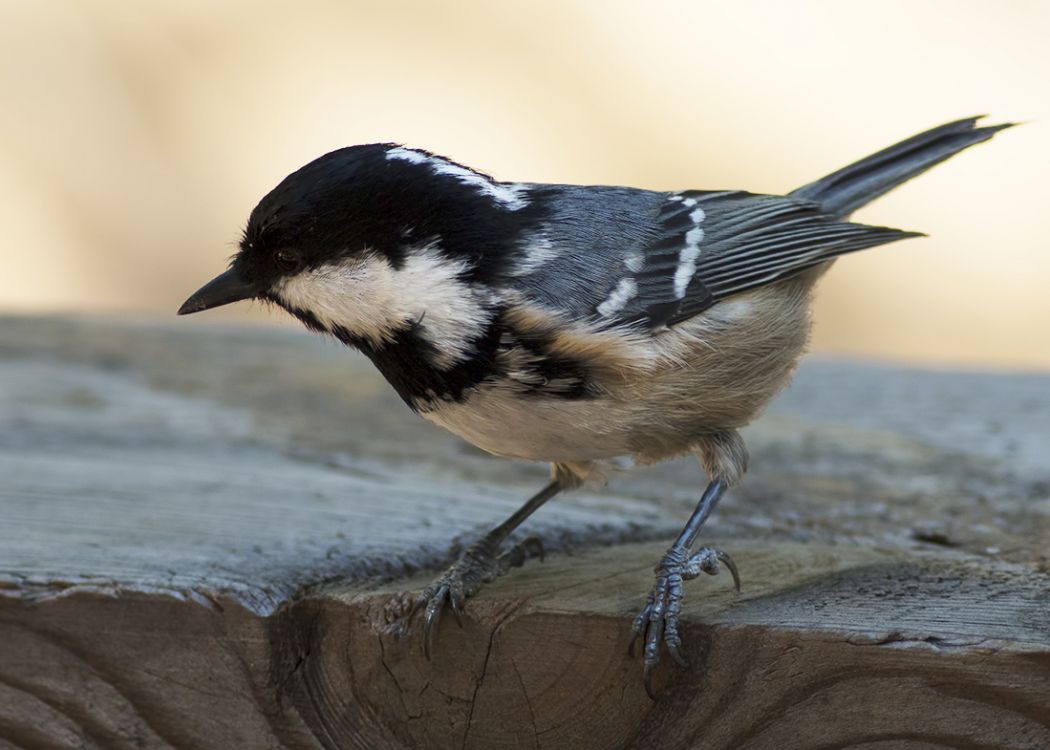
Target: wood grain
x=207, y=536
x=798, y=660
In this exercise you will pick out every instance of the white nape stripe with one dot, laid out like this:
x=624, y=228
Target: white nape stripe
x=370, y=298
x=624, y=292
x=407, y=154
x=689, y=254
x=634, y=261
x=510, y=195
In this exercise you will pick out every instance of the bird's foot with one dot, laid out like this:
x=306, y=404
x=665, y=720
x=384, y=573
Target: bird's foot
x=658, y=620
x=480, y=563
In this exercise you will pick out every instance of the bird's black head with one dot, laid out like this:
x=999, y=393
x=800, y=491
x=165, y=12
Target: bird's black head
x=360, y=208
x=328, y=210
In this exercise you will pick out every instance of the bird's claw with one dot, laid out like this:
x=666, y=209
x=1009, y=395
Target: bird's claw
x=657, y=622
x=478, y=565
x=709, y=560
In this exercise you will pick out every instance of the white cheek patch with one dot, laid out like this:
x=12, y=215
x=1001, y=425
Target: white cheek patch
x=509, y=195
x=450, y=312
x=373, y=300
x=353, y=295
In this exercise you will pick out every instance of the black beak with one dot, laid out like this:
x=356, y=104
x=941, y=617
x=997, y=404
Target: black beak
x=222, y=290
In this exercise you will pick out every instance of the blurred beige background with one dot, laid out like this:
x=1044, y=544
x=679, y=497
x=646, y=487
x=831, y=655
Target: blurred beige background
x=137, y=136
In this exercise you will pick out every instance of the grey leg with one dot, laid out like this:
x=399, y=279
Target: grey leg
x=658, y=620
x=480, y=563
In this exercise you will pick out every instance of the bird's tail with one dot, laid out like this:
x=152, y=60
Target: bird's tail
x=844, y=191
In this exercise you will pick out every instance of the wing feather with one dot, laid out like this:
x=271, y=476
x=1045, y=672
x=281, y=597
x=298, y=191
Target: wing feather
x=711, y=245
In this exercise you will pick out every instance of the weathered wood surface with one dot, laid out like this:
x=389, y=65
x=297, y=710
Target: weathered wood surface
x=206, y=535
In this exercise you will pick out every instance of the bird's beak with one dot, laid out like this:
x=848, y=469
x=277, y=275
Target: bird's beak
x=222, y=290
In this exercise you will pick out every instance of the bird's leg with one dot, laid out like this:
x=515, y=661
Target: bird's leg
x=725, y=459
x=658, y=620
x=480, y=563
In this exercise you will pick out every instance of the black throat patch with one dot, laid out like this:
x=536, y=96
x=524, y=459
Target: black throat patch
x=501, y=356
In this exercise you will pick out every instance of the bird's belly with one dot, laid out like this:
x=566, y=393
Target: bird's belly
x=711, y=373
x=539, y=429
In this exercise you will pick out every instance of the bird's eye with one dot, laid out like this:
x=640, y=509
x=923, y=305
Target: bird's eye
x=287, y=258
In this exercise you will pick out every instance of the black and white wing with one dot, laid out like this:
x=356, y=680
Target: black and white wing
x=716, y=244
x=636, y=257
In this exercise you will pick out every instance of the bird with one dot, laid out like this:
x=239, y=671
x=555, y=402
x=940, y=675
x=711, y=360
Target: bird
x=575, y=325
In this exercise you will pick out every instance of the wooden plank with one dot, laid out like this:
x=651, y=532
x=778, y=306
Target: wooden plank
x=206, y=534
x=937, y=650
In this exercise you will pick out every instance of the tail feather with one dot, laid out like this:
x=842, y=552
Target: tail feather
x=843, y=192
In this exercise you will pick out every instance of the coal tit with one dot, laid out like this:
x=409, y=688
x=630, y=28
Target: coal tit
x=563, y=323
